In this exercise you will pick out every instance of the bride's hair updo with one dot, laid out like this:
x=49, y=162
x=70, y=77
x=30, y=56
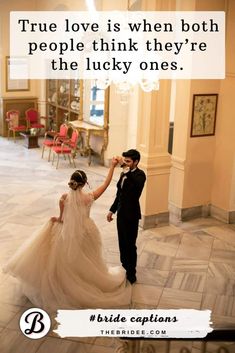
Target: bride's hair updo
x=78, y=179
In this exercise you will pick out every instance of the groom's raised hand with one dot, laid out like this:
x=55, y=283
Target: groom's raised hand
x=110, y=216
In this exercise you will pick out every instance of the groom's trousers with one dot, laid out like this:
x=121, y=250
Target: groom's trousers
x=127, y=234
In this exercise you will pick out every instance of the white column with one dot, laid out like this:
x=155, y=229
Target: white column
x=152, y=142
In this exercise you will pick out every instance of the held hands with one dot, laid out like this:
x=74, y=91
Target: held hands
x=56, y=219
x=122, y=164
x=120, y=160
x=114, y=162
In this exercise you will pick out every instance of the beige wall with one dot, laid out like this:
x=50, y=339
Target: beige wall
x=200, y=153
x=223, y=190
x=61, y=5
x=224, y=154
x=204, y=167
x=5, y=8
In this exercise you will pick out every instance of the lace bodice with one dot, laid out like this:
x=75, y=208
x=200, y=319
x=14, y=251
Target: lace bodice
x=79, y=202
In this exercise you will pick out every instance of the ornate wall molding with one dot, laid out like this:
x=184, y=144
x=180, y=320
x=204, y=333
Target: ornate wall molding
x=178, y=163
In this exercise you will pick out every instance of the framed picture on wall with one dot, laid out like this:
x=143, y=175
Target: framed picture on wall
x=16, y=84
x=204, y=114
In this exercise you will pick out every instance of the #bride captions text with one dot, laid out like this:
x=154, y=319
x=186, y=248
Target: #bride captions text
x=138, y=319
x=183, y=323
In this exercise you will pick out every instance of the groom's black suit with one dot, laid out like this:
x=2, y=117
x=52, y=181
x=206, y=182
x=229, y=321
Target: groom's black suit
x=126, y=203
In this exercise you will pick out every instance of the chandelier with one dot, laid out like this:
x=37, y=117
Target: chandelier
x=125, y=88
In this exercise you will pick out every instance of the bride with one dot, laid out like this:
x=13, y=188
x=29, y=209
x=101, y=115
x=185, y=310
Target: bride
x=62, y=266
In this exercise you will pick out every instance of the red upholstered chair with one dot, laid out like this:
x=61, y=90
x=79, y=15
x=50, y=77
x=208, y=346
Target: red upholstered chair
x=68, y=147
x=59, y=137
x=12, y=118
x=33, y=119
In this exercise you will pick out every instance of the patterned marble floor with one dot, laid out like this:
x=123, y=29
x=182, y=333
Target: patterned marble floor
x=191, y=265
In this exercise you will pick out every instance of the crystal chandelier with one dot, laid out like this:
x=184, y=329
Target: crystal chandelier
x=125, y=88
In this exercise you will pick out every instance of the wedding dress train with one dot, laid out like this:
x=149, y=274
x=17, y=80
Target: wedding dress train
x=62, y=266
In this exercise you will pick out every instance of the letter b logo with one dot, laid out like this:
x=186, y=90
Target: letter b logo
x=35, y=323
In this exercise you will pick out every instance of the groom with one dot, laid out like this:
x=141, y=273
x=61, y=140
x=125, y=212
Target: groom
x=126, y=203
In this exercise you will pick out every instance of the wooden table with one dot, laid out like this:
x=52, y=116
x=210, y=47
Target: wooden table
x=31, y=141
x=89, y=130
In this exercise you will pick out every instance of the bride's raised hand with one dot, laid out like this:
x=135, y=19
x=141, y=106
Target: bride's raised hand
x=99, y=191
x=114, y=161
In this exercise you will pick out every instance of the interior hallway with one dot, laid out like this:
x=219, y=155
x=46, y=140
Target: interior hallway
x=191, y=265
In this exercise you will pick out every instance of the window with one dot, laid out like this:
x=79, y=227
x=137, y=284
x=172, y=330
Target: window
x=94, y=99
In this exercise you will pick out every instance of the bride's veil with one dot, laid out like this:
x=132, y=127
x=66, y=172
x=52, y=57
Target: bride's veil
x=74, y=215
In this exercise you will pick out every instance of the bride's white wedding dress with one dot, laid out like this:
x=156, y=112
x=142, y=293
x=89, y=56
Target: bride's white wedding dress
x=62, y=266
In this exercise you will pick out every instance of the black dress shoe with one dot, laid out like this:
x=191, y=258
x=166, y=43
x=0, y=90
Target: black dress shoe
x=131, y=279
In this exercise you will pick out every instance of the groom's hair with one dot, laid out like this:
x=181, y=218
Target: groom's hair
x=78, y=178
x=133, y=154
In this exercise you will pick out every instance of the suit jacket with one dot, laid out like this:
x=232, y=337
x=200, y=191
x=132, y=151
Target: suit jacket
x=126, y=202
